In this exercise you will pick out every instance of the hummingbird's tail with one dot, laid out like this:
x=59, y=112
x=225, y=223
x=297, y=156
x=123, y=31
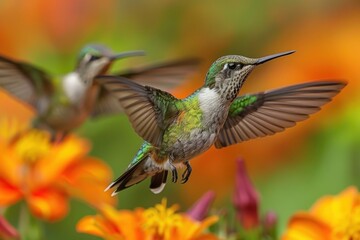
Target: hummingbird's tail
x=133, y=175
x=139, y=171
x=158, y=181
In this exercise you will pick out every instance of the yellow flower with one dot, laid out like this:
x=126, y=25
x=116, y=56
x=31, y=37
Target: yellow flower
x=160, y=220
x=331, y=218
x=158, y=223
x=45, y=174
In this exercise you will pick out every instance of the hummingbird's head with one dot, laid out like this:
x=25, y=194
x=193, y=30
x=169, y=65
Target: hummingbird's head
x=228, y=73
x=95, y=59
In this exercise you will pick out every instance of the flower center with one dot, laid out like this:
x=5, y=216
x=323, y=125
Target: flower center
x=33, y=146
x=349, y=228
x=161, y=221
x=10, y=128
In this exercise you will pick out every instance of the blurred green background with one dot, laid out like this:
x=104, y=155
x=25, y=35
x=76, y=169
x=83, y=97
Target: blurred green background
x=291, y=169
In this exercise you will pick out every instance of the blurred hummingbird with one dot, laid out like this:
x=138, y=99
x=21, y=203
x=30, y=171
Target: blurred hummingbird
x=176, y=130
x=63, y=104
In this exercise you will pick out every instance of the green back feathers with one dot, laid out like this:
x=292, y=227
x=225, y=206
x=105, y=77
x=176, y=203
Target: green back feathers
x=144, y=150
x=150, y=110
x=241, y=103
x=193, y=113
x=188, y=118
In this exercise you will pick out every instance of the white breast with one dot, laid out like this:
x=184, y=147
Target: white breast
x=210, y=104
x=74, y=88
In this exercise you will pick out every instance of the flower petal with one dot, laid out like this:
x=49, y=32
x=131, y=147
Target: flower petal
x=113, y=224
x=304, y=226
x=90, y=225
x=9, y=194
x=49, y=204
x=205, y=224
x=332, y=209
x=87, y=179
x=60, y=157
x=126, y=223
x=201, y=207
x=245, y=199
x=7, y=230
x=10, y=167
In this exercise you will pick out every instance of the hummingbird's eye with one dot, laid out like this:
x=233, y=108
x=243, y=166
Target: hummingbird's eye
x=232, y=65
x=94, y=58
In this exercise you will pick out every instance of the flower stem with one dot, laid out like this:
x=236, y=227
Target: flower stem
x=29, y=227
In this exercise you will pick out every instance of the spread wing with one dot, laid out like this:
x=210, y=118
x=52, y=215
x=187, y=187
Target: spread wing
x=106, y=103
x=24, y=81
x=266, y=113
x=165, y=76
x=150, y=110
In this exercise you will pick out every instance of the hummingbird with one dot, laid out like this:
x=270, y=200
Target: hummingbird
x=64, y=103
x=177, y=130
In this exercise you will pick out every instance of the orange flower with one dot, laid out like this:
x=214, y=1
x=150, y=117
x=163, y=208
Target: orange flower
x=331, y=218
x=45, y=174
x=158, y=223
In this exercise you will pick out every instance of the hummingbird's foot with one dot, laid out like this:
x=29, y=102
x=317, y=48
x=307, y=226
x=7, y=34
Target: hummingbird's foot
x=174, y=173
x=186, y=174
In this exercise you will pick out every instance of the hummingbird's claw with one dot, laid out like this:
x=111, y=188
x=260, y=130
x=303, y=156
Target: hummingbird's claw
x=174, y=173
x=186, y=174
x=58, y=137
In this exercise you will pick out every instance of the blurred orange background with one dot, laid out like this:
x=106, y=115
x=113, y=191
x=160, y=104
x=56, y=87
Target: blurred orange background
x=292, y=168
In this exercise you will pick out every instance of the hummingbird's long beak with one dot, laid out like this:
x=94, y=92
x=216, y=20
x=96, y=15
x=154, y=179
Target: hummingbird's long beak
x=127, y=54
x=273, y=56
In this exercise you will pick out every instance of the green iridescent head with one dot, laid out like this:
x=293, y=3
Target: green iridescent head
x=95, y=51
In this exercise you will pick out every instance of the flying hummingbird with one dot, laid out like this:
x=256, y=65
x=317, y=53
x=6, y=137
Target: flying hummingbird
x=64, y=103
x=176, y=130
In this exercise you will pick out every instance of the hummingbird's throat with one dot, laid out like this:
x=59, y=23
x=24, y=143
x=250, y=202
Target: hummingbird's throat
x=234, y=85
x=232, y=89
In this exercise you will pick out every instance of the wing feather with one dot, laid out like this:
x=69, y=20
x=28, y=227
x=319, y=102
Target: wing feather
x=165, y=76
x=24, y=81
x=266, y=113
x=145, y=106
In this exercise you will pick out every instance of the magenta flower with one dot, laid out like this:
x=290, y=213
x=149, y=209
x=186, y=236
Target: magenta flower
x=201, y=207
x=7, y=231
x=245, y=198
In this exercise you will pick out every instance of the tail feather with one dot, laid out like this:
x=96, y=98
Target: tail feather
x=158, y=181
x=131, y=176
